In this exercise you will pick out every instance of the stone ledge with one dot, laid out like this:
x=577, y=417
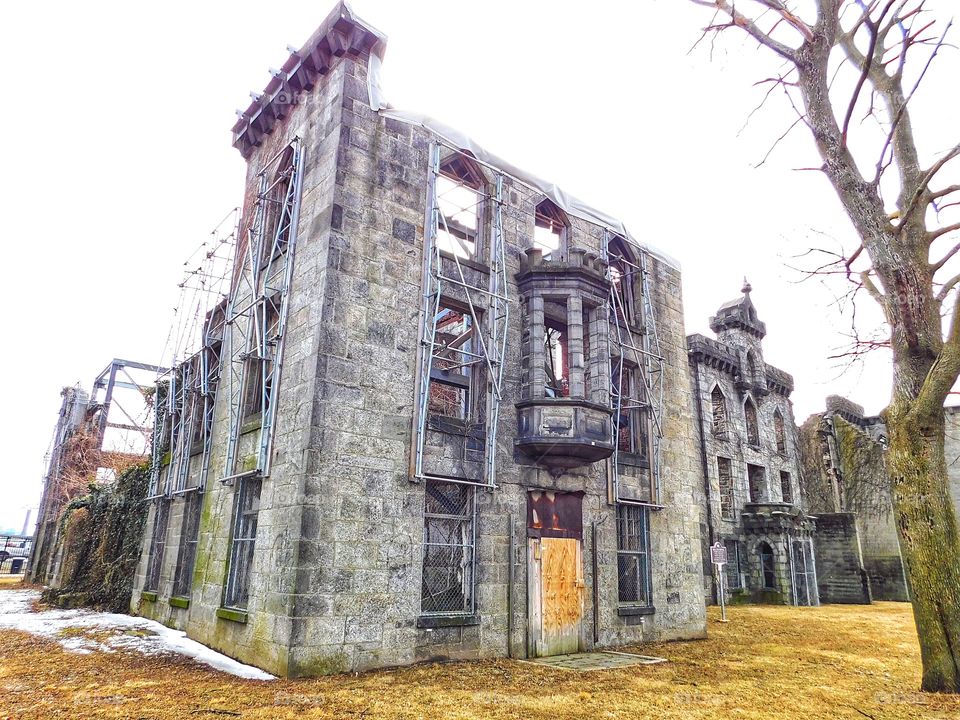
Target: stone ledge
x=232, y=614
x=179, y=602
x=629, y=610
x=442, y=621
x=148, y=596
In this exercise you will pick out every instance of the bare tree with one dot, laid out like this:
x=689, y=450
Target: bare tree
x=899, y=208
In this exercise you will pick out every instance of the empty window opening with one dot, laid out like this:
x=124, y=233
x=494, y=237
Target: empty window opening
x=632, y=422
x=633, y=555
x=780, y=432
x=624, y=277
x=757, y=480
x=277, y=208
x=452, y=369
x=725, y=477
x=459, y=188
x=718, y=403
x=158, y=542
x=751, y=367
x=753, y=428
x=449, y=537
x=243, y=541
x=556, y=359
x=768, y=569
x=786, y=489
x=550, y=230
x=189, y=534
x=258, y=368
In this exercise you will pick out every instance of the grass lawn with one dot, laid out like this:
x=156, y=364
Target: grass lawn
x=769, y=662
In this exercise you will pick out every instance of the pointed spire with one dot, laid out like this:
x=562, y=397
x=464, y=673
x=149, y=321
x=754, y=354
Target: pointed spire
x=747, y=287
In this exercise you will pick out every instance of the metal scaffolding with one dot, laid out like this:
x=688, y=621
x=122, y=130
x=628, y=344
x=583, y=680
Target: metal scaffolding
x=490, y=326
x=646, y=396
x=184, y=400
x=257, y=308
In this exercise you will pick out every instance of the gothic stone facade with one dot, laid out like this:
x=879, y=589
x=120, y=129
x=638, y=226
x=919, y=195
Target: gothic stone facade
x=351, y=548
x=750, y=463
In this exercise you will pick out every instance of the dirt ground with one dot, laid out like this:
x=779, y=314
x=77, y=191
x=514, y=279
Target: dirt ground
x=769, y=662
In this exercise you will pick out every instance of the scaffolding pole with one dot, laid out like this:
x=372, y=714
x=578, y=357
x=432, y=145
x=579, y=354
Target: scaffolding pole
x=648, y=360
x=258, y=305
x=490, y=331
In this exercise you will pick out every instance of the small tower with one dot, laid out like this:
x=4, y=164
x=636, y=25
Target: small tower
x=736, y=324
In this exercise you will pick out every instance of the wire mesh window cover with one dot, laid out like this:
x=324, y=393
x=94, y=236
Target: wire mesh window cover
x=753, y=429
x=459, y=188
x=786, y=489
x=779, y=432
x=454, y=360
x=243, y=541
x=718, y=404
x=732, y=568
x=449, y=549
x=633, y=555
x=725, y=479
x=768, y=568
x=555, y=356
x=158, y=542
x=804, y=577
x=258, y=375
x=756, y=482
x=550, y=230
x=189, y=535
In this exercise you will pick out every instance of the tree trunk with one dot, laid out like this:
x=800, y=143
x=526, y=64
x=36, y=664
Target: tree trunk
x=929, y=542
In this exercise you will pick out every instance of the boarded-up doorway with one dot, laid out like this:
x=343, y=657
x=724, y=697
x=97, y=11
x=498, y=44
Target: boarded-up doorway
x=555, y=564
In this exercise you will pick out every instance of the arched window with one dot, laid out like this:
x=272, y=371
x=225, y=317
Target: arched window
x=767, y=567
x=624, y=277
x=753, y=429
x=779, y=432
x=460, y=204
x=718, y=402
x=550, y=230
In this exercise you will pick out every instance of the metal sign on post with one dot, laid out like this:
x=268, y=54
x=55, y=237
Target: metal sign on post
x=718, y=556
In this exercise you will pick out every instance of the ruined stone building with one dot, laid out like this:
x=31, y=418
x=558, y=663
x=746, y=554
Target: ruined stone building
x=844, y=475
x=749, y=461
x=97, y=435
x=444, y=412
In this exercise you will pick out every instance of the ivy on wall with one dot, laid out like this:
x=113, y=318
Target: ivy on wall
x=101, y=533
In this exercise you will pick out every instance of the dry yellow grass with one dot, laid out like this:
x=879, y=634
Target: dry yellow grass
x=833, y=662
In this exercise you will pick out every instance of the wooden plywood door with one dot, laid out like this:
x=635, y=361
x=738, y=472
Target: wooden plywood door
x=556, y=596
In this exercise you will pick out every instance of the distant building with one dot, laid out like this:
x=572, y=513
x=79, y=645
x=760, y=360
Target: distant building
x=97, y=435
x=750, y=464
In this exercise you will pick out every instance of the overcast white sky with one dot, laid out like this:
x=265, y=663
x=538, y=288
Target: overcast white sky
x=118, y=164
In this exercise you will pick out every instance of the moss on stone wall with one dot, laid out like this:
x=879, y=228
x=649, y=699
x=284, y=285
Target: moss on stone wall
x=101, y=542
x=814, y=472
x=863, y=468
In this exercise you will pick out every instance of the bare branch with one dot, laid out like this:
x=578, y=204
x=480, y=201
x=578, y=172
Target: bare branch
x=873, y=26
x=925, y=181
x=944, y=192
x=943, y=261
x=941, y=232
x=947, y=287
x=738, y=19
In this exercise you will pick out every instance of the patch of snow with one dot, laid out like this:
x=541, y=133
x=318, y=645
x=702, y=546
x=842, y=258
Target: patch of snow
x=86, y=631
